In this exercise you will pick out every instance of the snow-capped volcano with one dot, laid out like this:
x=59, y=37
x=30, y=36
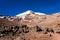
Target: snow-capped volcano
x=24, y=14
x=29, y=12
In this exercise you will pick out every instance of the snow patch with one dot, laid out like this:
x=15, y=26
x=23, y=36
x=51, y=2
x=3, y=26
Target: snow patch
x=2, y=16
x=38, y=13
x=22, y=15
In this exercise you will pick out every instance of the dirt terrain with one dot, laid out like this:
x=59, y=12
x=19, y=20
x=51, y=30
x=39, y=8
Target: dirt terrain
x=38, y=27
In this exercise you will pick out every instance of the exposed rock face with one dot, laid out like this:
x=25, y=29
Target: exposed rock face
x=31, y=27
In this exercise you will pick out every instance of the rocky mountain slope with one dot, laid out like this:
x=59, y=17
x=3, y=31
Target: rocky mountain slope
x=30, y=26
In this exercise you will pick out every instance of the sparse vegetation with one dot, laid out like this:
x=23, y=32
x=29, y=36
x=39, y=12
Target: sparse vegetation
x=38, y=29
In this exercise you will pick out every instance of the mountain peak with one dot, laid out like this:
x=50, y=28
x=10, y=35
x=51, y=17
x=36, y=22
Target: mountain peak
x=22, y=15
x=29, y=11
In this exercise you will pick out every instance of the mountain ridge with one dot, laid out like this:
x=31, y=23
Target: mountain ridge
x=30, y=26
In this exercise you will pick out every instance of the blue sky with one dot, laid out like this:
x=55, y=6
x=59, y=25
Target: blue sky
x=13, y=7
